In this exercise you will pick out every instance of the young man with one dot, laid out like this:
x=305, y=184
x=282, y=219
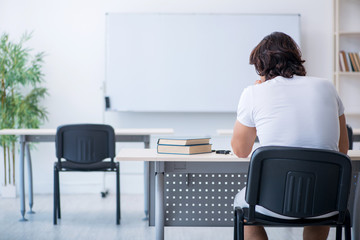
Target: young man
x=286, y=108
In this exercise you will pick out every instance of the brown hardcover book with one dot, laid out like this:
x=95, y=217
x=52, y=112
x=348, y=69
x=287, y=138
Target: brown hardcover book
x=357, y=61
x=346, y=64
x=186, y=150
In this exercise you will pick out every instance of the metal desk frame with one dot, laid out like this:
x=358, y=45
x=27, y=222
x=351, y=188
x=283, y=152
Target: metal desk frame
x=167, y=164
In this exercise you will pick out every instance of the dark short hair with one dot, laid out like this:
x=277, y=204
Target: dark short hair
x=277, y=55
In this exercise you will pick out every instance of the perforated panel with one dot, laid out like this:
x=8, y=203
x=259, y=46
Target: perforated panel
x=200, y=199
x=204, y=207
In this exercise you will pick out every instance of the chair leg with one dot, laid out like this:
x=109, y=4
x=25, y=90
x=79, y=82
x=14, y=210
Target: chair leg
x=235, y=226
x=118, y=209
x=338, y=232
x=58, y=195
x=55, y=195
x=238, y=224
x=347, y=227
x=347, y=232
x=241, y=230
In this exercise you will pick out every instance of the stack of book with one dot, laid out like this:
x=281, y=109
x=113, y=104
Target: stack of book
x=183, y=145
x=349, y=61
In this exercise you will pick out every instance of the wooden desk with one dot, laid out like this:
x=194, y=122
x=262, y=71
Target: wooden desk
x=207, y=183
x=48, y=135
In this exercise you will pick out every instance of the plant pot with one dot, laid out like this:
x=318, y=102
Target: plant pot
x=8, y=191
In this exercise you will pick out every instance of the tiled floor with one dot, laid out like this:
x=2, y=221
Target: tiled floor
x=87, y=217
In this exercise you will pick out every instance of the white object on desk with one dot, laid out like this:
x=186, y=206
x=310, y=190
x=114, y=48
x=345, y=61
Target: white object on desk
x=224, y=132
x=356, y=131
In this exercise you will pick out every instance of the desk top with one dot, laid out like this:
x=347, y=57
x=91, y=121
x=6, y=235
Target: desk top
x=229, y=132
x=132, y=154
x=119, y=131
x=138, y=154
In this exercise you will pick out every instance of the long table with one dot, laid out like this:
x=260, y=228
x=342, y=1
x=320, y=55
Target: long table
x=199, y=190
x=48, y=135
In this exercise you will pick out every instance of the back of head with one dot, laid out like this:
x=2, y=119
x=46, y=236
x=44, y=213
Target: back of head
x=277, y=55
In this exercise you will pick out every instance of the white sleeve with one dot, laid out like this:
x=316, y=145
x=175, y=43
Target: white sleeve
x=341, y=108
x=245, y=108
x=340, y=105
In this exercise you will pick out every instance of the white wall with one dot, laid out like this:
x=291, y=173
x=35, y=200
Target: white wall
x=72, y=33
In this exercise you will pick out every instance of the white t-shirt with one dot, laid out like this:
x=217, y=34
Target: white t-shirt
x=299, y=111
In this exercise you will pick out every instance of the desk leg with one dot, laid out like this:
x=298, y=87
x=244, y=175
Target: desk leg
x=146, y=182
x=146, y=190
x=31, y=195
x=22, y=180
x=356, y=209
x=159, y=205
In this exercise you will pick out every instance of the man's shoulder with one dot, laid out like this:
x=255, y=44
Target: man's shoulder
x=317, y=79
x=323, y=82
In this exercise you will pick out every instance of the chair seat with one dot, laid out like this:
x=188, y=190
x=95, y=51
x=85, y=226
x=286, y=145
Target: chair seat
x=261, y=219
x=98, y=166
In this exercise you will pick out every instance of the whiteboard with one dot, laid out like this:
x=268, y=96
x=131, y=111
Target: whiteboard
x=184, y=62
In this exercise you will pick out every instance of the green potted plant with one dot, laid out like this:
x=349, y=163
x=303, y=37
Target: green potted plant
x=20, y=97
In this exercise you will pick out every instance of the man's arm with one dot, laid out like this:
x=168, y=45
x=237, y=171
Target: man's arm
x=344, y=139
x=243, y=139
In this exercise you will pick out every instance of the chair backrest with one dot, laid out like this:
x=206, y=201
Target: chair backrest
x=298, y=182
x=85, y=143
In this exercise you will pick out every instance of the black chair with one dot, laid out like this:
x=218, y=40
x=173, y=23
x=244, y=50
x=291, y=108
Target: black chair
x=296, y=182
x=350, y=135
x=84, y=147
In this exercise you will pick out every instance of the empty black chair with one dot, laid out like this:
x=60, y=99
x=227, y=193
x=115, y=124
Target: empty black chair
x=84, y=147
x=296, y=182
